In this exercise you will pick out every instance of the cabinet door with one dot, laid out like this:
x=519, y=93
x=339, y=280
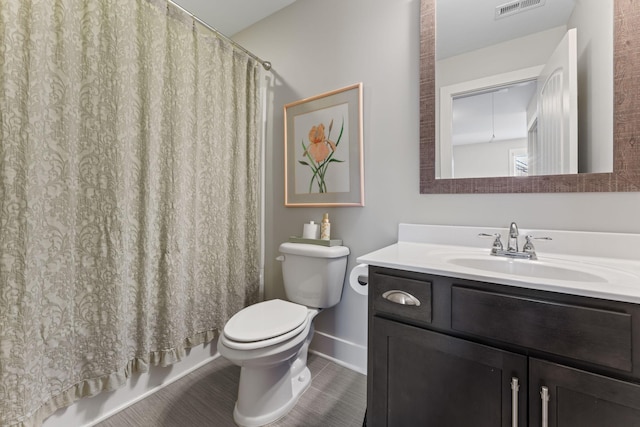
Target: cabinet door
x=423, y=378
x=580, y=399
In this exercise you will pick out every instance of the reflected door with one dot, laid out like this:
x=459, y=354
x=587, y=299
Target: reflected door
x=553, y=142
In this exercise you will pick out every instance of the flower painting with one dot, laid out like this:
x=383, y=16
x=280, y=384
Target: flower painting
x=323, y=150
x=322, y=162
x=320, y=153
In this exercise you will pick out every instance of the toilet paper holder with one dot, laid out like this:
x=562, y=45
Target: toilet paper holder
x=359, y=279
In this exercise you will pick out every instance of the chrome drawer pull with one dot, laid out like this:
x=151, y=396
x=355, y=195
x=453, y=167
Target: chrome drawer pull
x=401, y=297
x=515, y=387
x=544, y=395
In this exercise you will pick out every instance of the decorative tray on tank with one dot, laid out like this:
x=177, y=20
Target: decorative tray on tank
x=321, y=242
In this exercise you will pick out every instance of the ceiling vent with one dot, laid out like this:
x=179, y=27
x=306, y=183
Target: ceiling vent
x=516, y=6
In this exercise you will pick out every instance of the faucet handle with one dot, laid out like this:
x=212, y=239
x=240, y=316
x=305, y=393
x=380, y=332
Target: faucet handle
x=528, y=246
x=497, y=243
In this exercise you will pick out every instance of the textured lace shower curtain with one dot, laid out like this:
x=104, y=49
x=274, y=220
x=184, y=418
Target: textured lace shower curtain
x=129, y=194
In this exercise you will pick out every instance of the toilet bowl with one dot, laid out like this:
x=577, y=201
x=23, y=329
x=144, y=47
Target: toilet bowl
x=270, y=340
x=274, y=370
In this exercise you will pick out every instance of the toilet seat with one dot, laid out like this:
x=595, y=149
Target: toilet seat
x=264, y=324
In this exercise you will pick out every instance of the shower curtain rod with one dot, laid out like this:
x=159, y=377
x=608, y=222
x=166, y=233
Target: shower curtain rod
x=265, y=64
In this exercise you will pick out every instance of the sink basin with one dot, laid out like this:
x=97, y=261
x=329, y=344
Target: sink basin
x=528, y=268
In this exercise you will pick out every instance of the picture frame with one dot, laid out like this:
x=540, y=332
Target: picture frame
x=323, y=150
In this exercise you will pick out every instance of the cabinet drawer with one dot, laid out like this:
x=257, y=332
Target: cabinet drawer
x=384, y=286
x=602, y=337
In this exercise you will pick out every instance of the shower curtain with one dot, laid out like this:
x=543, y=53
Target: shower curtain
x=129, y=194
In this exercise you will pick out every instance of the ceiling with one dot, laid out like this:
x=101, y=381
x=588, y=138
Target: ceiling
x=462, y=26
x=486, y=117
x=231, y=16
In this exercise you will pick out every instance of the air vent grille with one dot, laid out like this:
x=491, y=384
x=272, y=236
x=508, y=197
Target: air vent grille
x=516, y=6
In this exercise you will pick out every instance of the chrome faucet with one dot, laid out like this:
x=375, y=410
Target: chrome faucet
x=528, y=251
x=512, y=245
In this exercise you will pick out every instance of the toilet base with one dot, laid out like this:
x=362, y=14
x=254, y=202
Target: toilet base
x=272, y=379
x=281, y=396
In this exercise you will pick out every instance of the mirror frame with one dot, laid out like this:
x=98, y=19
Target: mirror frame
x=626, y=120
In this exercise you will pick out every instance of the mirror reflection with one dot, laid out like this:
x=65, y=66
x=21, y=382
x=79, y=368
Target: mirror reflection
x=525, y=89
x=494, y=145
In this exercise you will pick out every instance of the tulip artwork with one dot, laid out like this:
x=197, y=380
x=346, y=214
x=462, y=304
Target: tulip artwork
x=319, y=153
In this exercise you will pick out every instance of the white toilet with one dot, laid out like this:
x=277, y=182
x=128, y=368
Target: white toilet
x=269, y=340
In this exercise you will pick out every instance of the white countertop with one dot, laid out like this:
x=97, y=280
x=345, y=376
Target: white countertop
x=430, y=249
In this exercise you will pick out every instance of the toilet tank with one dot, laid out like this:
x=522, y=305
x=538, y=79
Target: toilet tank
x=313, y=274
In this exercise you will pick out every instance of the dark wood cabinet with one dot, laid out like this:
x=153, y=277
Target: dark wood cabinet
x=446, y=351
x=577, y=398
x=424, y=378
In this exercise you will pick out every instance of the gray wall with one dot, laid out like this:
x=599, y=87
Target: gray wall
x=317, y=46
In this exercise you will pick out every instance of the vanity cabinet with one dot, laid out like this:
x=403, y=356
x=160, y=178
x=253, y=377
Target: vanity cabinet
x=424, y=378
x=453, y=352
x=580, y=398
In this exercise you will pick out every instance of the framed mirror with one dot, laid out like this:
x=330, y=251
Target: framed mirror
x=626, y=120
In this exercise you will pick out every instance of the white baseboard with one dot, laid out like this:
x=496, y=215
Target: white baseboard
x=90, y=411
x=340, y=351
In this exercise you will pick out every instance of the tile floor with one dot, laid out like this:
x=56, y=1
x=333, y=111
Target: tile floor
x=205, y=397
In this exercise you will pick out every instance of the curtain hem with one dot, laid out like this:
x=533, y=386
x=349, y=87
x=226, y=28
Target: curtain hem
x=116, y=379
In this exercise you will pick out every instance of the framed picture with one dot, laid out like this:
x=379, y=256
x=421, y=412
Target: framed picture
x=323, y=150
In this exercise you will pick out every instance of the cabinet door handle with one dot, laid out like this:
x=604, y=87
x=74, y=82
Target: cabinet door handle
x=515, y=387
x=401, y=297
x=544, y=395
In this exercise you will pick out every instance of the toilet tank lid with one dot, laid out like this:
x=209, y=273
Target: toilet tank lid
x=317, y=251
